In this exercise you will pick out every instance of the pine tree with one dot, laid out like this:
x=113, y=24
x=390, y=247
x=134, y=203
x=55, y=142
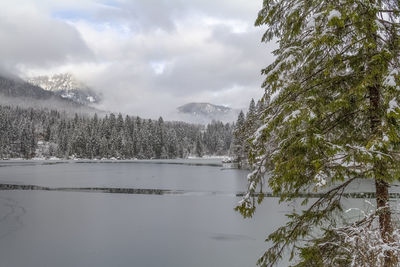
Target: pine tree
x=250, y=124
x=199, y=150
x=239, y=140
x=27, y=140
x=251, y=113
x=159, y=137
x=172, y=147
x=62, y=140
x=47, y=133
x=333, y=117
x=104, y=147
x=119, y=123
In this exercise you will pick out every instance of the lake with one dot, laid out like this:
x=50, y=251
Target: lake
x=180, y=214
x=167, y=213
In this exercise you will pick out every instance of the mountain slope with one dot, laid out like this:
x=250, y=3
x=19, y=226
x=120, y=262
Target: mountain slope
x=15, y=87
x=15, y=91
x=206, y=112
x=66, y=86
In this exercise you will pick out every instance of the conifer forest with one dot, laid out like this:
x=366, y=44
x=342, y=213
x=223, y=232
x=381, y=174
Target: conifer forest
x=30, y=133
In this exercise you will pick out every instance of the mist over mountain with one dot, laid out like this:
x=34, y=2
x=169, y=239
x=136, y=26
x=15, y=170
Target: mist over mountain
x=65, y=93
x=207, y=112
x=16, y=87
x=66, y=86
x=15, y=91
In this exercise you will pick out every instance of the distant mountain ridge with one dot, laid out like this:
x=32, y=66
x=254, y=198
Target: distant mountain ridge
x=206, y=112
x=203, y=108
x=16, y=87
x=16, y=91
x=66, y=86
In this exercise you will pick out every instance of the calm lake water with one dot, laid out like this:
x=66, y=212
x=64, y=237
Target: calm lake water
x=194, y=225
x=180, y=214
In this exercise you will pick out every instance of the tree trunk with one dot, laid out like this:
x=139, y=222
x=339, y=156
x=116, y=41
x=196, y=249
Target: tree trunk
x=382, y=200
x=381, y=186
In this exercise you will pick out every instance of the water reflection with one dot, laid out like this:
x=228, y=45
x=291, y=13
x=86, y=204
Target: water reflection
x=11, y=213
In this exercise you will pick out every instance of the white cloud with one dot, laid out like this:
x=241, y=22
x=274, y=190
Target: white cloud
x=29, y=39
x=147, y=57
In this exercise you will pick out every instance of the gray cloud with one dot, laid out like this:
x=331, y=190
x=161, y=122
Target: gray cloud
x=153, y=14
x=225, y=60
x=30, y=39
x=146, y=57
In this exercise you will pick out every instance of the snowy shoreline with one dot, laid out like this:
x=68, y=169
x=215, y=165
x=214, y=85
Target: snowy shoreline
x=221, y=158
x=209, y=161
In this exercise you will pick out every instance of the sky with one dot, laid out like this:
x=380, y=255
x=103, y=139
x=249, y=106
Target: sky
x=146, y=57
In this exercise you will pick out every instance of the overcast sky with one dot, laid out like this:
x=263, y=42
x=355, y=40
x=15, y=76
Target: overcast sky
x=147, y=57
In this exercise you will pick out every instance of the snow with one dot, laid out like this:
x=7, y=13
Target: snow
x=361, y=149
x=68, y=95
x=312, y=21
x=210, y=157
x=379, y=24
x=390, y=79
x=253, y=185
x=293, y=115
x=251, y=175
x=318, y=136
x=393, y=105
x=321, y=179
x=90, y=99
x=259, y=132
x=41, y=158
x=334, y=14
x=65, y=85
x=276, y=94
x=364, y=238
x=385, y=138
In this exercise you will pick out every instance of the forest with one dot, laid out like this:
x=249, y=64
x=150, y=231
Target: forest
x=28, y=133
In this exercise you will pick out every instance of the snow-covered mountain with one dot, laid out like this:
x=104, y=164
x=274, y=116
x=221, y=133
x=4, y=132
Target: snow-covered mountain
x=206, y=112
x=15, y=91
x=66, y=86
x=15, y=87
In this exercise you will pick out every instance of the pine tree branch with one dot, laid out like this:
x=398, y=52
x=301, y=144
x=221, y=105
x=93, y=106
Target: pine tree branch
x=273, y=254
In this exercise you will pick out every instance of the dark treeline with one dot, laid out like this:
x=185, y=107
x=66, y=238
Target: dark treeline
x=28, y=133
x=244, y=129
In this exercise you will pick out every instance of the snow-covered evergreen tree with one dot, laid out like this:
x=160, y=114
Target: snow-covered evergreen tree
x=159, y=138
x=27, y=140
x=333, y=117
x=199, y=149
x=238, y=144
x=108, y=137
